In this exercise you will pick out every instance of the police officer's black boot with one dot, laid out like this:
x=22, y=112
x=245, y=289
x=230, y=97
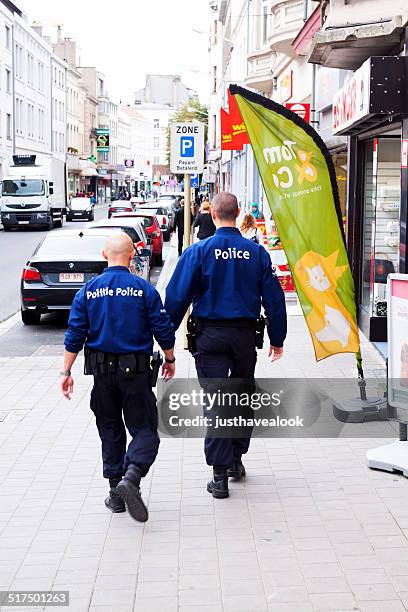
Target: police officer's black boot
x=218, y=486
x=129, y=491
x=236, y=469
x=113, y=501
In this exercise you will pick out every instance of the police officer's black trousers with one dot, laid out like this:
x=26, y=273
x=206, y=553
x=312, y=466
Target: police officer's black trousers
x=225, y=352
x=112, y=395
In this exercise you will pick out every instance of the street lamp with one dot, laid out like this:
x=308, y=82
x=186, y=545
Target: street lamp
x=191, y=109
x=199, y=31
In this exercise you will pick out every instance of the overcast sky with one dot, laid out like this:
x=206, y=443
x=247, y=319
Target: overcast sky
x=126, y=39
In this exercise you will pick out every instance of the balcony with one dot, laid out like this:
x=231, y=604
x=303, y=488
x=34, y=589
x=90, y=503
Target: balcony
x=353, y=33
x=260, y=70
x=287, y=20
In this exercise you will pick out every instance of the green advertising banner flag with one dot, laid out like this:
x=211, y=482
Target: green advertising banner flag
x=300, y=183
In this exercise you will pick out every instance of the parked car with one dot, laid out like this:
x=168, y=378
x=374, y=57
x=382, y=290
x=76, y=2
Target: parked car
x=171, y=204
x=164, y=216
x=79, y=209
x=152, y=228
x=119, y=206
x=61, y=264
x=139, y=237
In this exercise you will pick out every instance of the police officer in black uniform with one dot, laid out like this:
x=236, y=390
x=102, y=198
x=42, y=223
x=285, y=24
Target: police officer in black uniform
x=227, y=278
x=117, y=315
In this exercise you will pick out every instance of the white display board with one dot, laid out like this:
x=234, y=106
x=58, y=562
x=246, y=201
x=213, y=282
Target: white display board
x=187, y=148
x=397, y=311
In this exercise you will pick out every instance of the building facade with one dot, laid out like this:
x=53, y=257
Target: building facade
x=365, y=43
x=34, y=92
x=6, y=87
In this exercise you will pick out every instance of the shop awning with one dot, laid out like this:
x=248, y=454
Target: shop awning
x=89, y=172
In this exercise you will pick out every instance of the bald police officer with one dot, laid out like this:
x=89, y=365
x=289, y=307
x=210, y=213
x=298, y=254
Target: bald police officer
x=116, y=315
x=227, y=278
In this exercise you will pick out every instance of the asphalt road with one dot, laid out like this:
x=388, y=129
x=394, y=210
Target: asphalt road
x=16, y=247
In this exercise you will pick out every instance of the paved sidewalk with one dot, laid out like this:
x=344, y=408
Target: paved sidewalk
x=311, y=528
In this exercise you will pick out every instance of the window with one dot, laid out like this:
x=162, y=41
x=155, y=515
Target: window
x=214, y=132
x=215, y=32
x=8, y=126
x=156, y=142
x=156, y=124
x=214, y=79
x=264, y=23
x=8, y=36
x=40, y=76
x=156, y=161
x=8, y=80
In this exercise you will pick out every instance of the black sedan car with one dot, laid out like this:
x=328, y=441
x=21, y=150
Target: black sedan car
x=79, y=209
x=60, y=265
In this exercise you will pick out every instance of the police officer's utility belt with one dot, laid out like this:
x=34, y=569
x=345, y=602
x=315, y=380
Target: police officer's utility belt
x=99, y=363
x=195, y=326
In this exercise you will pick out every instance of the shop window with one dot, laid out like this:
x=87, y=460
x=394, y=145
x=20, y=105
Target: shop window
x=381, y=221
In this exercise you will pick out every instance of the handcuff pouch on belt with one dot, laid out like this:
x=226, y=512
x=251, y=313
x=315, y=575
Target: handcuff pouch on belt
x=194, y=329
x=99, y=363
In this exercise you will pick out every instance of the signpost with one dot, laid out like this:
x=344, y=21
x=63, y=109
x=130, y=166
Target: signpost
x=195, y=181
x=187, y=157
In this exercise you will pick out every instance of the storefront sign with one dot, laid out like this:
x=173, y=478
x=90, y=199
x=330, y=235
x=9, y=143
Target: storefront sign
x=352, y=102
x=398, y=340
x=301, y=109
x=286, y=87
x=102, y=140
x=129, y=163
x=376, y=88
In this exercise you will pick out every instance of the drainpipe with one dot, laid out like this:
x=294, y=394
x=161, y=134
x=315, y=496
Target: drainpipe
x=246, y=146
x=305, y=9
x=13, y=88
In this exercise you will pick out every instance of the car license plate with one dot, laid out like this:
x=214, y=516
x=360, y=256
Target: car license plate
x=23, y=222
x=78, y=214
x=71, y=277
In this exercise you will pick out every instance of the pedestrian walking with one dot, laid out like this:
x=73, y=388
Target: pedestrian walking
x=227, y=278
x=249, y=228
x=204, y=222
x=116, y=315
x=179, y=226
x=256, y=212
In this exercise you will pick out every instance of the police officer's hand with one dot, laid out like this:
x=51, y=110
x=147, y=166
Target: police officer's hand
x=67, y=386
x=168, y=370
x=275, y=352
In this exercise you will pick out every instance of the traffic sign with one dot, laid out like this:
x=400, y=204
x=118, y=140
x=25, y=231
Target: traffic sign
x=300, y=108
x=187, y=148
x=195, y=180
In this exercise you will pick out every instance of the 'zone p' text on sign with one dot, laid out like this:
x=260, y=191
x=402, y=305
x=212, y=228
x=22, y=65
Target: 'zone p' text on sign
x=187, y=148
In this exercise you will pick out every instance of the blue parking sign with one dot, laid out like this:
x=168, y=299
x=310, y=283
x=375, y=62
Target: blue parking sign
x=187, y=146
x=195, y=181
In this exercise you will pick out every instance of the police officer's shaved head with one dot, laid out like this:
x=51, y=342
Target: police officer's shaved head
x=118, y=249
x=225, y=206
